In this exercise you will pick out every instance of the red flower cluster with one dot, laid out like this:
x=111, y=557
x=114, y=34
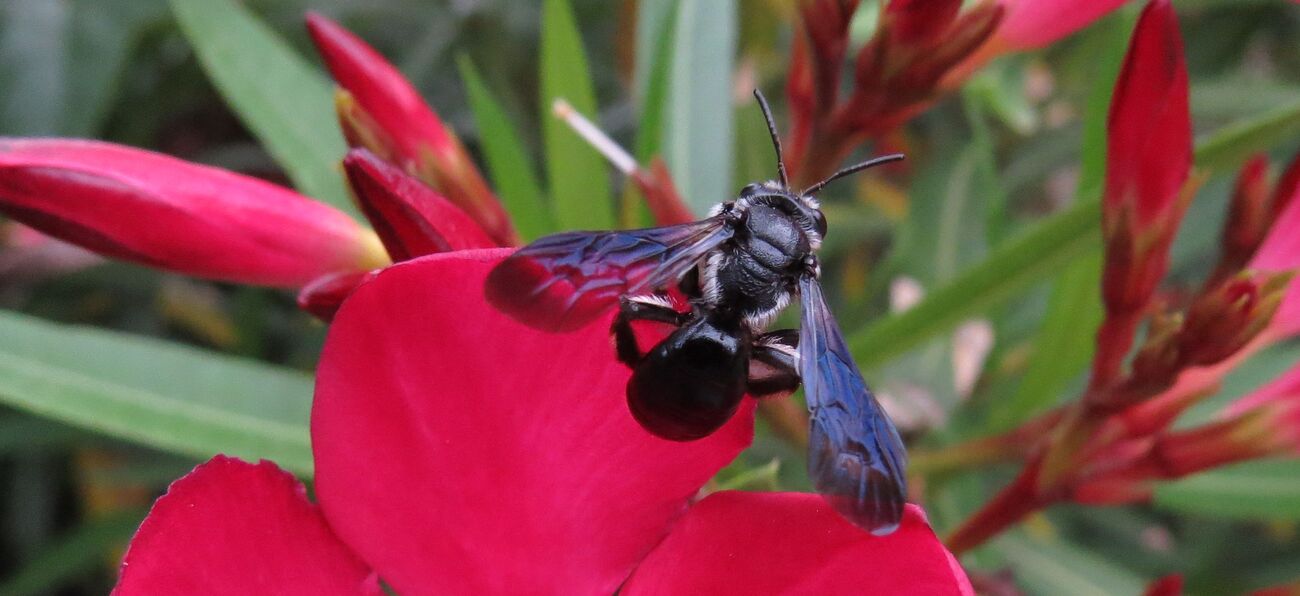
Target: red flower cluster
x=456, y=451
x=921, y=50
x=1116, y=441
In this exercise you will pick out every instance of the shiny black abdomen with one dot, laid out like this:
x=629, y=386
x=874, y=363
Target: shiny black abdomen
x=692, y=382
x=760, y=266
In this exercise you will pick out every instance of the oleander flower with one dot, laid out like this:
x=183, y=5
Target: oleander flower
x=457, y=451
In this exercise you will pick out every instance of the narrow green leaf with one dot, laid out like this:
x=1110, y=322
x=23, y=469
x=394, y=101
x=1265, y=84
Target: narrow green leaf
x=284, y=102
x=1063, y=346
x=1254, y=490
x=577, y=174
x=1231, y=145
x=699, y=136
x=156, y=393
x=76, y=553
x=1018, y=263
x=654, y=97
x=1054, y=567
x=507, y=160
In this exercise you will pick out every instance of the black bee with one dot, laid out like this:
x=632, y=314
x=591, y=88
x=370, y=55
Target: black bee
x=739, y=268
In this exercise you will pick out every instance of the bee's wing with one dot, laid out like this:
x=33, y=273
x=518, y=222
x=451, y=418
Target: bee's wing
x=855, y=456
x=564, y=281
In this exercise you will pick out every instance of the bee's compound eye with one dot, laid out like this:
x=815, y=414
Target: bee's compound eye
x=819, y=223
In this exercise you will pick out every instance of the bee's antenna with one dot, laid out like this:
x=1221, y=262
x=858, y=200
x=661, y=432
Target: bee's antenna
x=776, y=141
x=875, y=161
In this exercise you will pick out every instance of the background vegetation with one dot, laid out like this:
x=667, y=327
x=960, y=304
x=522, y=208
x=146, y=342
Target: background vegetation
x=1019, y=145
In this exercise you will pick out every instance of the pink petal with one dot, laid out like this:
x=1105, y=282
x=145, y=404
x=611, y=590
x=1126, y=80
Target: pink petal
x=460, y=452
x=163, y=212
x=1280, y=251
x=1036, y=23
x=231, y=527
x=793, y=543
x=412, y=220
x=1149, y=149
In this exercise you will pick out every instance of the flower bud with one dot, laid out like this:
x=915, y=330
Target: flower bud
x=162, y=212
x=384, y=113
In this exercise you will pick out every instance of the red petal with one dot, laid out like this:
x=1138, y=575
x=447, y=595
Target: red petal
x=460, y=452
x=163, y=212
x=786, y=543
x=412, y=220
x=231, y=527
x=1149, y=149
x=1036, y=23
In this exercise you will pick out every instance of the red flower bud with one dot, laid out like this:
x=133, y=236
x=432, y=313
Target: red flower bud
x=323, y=296
x=920, y=22
x=166, y=213
x=1248, y=216
x=1149, y=149
x=412, y=220
x=1222, y=321
x=387, y=115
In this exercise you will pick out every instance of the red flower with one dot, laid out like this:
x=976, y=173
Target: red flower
x=163, y=212
x=460, y=452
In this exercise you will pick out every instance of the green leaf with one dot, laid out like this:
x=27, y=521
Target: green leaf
x=1252, y=491
x=78, y=552
x=1053, y=567
x=699, y=135
x=577, y=174
x=284, y=102
x=1063, y=346
x=654, y=97
x=507, y=160
x=1231, y=145
x=156, y=393
x=1018, y=263
x=61, y=61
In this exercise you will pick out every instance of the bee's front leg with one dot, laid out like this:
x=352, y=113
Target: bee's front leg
x=648, y=307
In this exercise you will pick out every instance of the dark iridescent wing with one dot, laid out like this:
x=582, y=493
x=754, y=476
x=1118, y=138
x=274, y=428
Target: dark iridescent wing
x=855, y=456
x=564, y=281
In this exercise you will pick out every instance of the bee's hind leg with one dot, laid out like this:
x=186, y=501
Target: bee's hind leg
x=774, y=364
x=647, y=307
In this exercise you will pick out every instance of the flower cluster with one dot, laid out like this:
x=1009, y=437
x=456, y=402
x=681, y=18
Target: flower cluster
x=1116, y=441
x=921, y=50
x=456, y=451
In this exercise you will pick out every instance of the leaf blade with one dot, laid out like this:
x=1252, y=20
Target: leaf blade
x=508, y=163
x=156, y=393
x=576, y=173
x=284, y=102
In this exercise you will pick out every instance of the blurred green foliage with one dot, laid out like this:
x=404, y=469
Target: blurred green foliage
x=999, y=221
